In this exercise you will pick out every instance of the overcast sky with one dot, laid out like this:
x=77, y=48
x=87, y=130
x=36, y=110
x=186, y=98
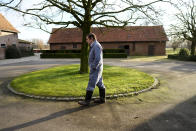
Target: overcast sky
x=27, y=33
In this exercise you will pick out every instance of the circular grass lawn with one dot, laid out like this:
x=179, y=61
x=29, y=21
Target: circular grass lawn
x=66, y=81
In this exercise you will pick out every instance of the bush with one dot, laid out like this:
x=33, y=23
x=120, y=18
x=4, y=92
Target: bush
x=60, y=55
x=61, y=51
x=114, y=55
x=184, y=52
x=79, y=51
x=184, y=58
x=193, y=58
x=113, y=51
x=77, y=55
x=12, y=52
x=173, y=56
x=26, y=52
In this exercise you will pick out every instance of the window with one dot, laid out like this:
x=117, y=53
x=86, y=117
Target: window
x=126, y=47
x=14, y=44
x=74, y=45
x=3, y=45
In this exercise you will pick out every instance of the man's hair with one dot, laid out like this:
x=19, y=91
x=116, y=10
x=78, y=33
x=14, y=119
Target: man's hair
x=92, y=36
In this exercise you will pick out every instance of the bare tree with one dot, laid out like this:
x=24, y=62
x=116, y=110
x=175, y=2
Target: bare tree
x=38, y=43
x=86, y=13
x=186, y=26
x=176, y=42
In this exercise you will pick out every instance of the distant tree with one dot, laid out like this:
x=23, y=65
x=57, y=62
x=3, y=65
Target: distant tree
x=186, y=26
x=38, y=43
x=86, y=13
x=176, y=42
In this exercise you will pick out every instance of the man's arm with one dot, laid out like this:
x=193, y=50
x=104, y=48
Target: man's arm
x=97, y=60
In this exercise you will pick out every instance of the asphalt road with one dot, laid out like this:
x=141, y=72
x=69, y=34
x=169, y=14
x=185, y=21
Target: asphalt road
x=171, y=107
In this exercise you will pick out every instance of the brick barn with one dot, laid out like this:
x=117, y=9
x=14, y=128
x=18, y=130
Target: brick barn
x=8, y=35
x=136, y=40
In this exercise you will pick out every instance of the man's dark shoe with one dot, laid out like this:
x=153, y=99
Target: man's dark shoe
x=102, y=96
x=87, y=100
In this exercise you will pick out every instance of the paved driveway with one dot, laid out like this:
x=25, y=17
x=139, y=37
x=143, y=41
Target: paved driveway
x=170, y=107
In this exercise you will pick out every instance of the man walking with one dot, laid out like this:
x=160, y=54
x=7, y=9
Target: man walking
x=96, y=69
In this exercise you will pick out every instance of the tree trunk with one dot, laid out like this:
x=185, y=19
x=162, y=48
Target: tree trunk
x=193, y=47
x=85, y=50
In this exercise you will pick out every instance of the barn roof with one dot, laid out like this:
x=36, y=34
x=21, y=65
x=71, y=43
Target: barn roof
x=127, y=34
x=6, y=26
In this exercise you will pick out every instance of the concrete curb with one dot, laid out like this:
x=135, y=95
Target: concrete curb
x=154, y=85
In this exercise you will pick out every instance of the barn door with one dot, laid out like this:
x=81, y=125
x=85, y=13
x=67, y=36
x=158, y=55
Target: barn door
x=151, y=50
x=126, y=47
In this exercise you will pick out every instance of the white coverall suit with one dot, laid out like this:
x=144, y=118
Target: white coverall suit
x=96, y=66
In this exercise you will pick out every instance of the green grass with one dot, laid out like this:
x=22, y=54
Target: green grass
x=66, y=81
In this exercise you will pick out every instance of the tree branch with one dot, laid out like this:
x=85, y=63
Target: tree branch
x=126, y=9
x=67, y=9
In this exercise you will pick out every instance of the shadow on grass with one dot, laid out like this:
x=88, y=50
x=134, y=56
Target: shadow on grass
x=36, y=63
x=47, y=118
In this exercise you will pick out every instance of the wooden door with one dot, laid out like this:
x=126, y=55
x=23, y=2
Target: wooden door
x=151, y=50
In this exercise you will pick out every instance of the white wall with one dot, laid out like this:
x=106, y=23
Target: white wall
x=8, y=38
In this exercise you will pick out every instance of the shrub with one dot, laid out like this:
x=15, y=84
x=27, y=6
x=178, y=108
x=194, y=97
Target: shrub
x=60, y=55
x=12, y=52
x=184, y=58
x=79, y=51
x=184, y=52
x=61, y=51
x=193, y=58
x=113, y=51
x=115, y=55
x=26, y=52
x=77, y=55
x=173, y=56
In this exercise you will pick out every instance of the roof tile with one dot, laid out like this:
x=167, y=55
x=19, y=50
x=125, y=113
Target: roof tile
x=127, y=34
x=5, y=25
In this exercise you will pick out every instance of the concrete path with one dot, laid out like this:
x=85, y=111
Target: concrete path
x=171, y=107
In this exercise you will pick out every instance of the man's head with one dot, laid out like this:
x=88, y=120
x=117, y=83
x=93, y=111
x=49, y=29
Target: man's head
x=90, y=38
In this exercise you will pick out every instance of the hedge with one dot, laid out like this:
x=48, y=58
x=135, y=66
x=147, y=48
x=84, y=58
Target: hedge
x=61, y=51
x=113, y=51
x=60, y=55
x=77, y=55
x=184, y=58
x=12, y=52
x=79, y=51
x=114, y=55
x=26, y=52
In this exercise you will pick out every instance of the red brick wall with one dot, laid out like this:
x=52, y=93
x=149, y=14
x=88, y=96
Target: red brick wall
x=65, y=46
x=141, y=48
x=160, y=48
